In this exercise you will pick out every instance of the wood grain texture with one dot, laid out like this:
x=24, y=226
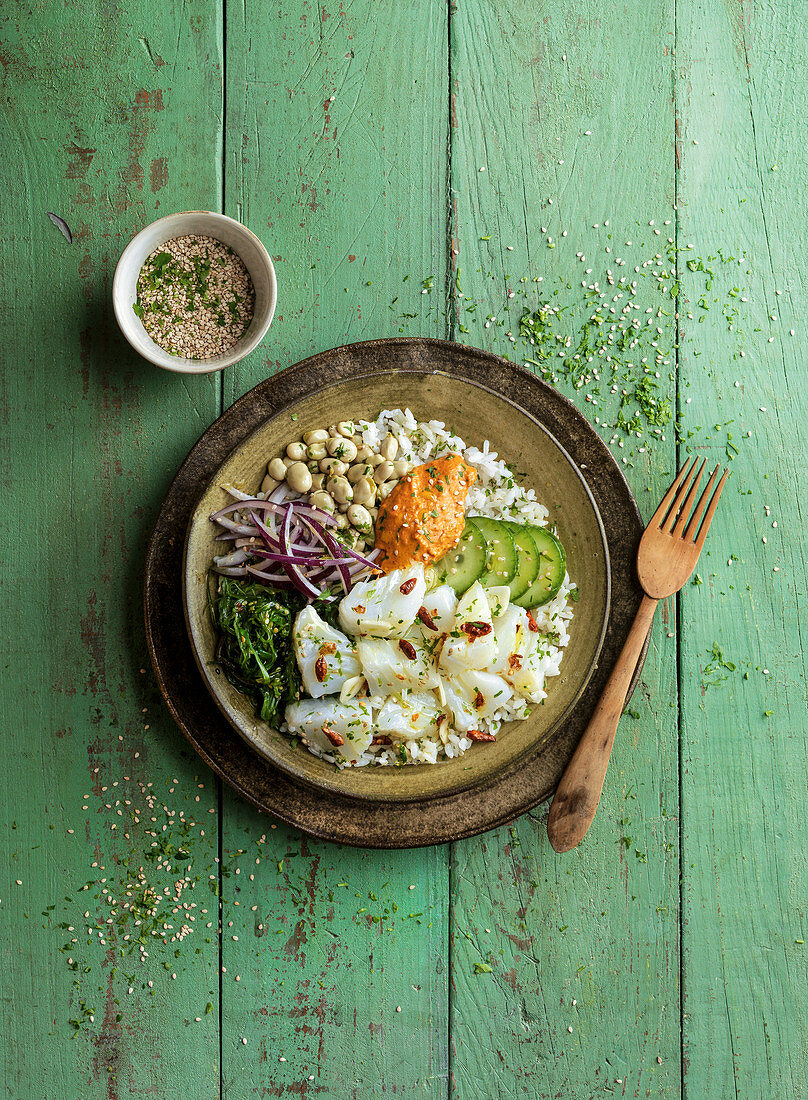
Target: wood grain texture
x=741, y=99
x=358, y=140
x=336, y=156
x=583, y=992
x=107, y=112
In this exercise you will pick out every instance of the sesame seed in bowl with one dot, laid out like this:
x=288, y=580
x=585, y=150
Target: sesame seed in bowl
x=194, y=292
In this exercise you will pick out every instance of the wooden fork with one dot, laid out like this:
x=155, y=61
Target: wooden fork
x=668, y=553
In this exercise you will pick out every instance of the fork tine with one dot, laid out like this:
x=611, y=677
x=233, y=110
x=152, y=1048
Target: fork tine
x=688, y=504
x=708, y=519
x=659, y=516
x=698, y=511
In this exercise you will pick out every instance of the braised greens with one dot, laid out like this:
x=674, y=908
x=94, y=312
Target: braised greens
x=254, y=622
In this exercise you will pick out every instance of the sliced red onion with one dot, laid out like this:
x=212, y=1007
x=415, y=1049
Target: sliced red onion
x=292, y=571
x=296, y=539
x=268, y=537
x=238, y=494
x=274, y=578
x=237, y=528
x=238, y=557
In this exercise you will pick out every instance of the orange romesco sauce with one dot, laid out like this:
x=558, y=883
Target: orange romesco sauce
x=424, y=516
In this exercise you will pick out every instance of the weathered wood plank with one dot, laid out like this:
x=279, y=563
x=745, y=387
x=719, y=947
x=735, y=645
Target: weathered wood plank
x=110, y=115
x=336, y=156
x=561, y=153
x=742, y=95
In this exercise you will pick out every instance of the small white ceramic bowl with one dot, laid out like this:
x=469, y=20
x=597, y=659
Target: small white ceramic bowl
x=229, y=232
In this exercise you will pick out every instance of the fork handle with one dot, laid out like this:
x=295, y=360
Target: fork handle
x=578, y=794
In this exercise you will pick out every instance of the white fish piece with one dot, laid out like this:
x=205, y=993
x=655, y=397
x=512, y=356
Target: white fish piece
x=459, y=705
x=349, y=722
x=512, y=642
x=471, y=644
x=499, y=599
x=528, y=681
x=378, y=608
x=487, y=691
x=410, y=717
x=441, y=605
x=390, y=668
x=315, y=641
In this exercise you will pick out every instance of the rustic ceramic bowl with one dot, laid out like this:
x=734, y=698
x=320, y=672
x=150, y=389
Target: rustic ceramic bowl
x=206, y=223
x=476, y=413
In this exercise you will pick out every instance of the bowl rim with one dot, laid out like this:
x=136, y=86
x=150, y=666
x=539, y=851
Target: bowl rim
x=178, y=364
x=299, y=774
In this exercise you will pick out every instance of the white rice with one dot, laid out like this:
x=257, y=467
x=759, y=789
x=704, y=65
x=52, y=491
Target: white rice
x=497, y=494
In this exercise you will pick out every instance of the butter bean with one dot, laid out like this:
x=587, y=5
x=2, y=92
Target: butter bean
x=359, y=518
x=389, y=448
x=360, y=470
x=346, y=428
x=298, y=478
x=317, y=481
x=386, y=489
x=296, y=451
x=340, y=489
x=342, y=448
x=316, y=451
x=277, y=469
x=323, y=500
x=383, y=472
x=363, y=453
x=364, y=491
x=269, y=485
x=333, y=467
x=401, y=467
x=319, y=435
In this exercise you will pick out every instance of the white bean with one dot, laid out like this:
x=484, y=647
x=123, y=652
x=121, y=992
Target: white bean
x=364, y=491
x=296, y=451
x=288, y=462
x=316, y=451
x=332, y=431
x=298, y=477
x=342, y=521
x=359, y=518
x=382, y=472
x=360, y=470
x=277, y=469
x=323, y=500
x=346, y=428
x=363, y=453
x=269, y=485
x=389, y=448
x=386, y=489
x=375, y=460
x=319, y=435
x=401, y=467
x=317, y=481
x=333, y=467
x=342, y=448
x=340, y=489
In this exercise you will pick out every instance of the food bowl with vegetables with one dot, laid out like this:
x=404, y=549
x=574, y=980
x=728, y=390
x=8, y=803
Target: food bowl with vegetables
x=386, y=590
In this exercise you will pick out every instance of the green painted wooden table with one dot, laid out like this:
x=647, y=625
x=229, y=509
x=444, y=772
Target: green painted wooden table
x=410, y=166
